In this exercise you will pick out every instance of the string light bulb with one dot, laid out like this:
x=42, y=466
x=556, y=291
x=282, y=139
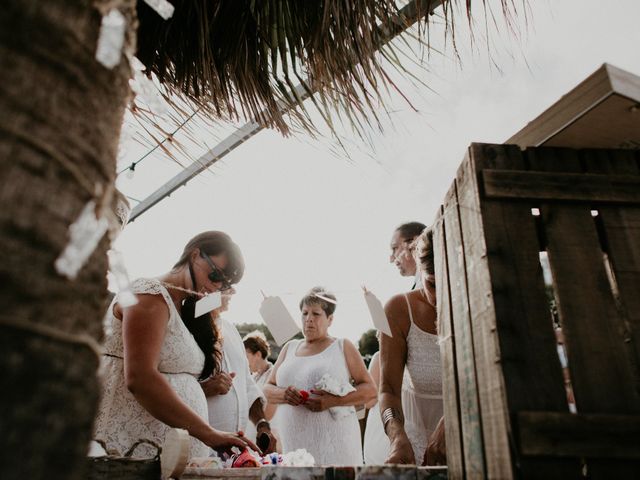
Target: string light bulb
x=131, y=171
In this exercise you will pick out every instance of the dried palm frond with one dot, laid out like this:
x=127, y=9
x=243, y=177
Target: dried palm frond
x=243, y=58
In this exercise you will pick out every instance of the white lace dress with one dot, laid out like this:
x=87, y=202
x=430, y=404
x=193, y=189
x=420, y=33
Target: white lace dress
x=423, y=407
x=331, y=441
x=121, y=420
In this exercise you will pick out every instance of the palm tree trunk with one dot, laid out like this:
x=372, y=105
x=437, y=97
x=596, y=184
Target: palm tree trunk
x=60, y=118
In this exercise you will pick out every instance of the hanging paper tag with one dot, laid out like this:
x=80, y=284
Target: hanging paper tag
x=162, y=8
x=84, y=235
x=207, y=303
x=111, y=38
x=376, y=310
x=280, y=322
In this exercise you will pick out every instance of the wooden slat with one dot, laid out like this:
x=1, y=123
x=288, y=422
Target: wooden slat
x=595, y=436
x=602, y=378
x=622, y=236
x=580, y=187
x=455, y=459
x=491, y=392
x=472, y=445
x=527, y=345
x=384, y=472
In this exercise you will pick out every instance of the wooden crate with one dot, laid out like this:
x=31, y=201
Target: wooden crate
x=505, y=404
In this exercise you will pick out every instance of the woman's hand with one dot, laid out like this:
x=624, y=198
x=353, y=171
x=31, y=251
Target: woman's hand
x=218, y=440
x=264, y=432
x=292, y=396
x=218, y=384
x=436, y=452
x=401, y=451
x=320, y=401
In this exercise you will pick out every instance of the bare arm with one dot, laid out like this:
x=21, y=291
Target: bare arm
x=393, y=357
x=143, y=330
x=374, y=371
x=275, y=394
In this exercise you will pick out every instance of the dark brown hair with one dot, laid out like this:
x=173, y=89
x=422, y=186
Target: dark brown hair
x=410, y=230
x=257, y=343
x=203, y=328
x=215, y=243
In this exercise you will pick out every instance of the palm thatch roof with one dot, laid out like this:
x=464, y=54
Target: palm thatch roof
x=242, y=58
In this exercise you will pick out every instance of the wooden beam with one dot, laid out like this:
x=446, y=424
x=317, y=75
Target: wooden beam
x=580, y=187
x=581, y=435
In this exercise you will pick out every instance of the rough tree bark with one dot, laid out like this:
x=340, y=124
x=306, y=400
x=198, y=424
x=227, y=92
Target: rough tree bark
x=60, y=118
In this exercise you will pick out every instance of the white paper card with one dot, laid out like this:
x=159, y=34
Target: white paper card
x=207, y=303
x=280, y=322
x=376, y=311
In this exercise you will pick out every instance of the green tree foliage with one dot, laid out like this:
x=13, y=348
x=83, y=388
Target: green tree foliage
x=368, y=343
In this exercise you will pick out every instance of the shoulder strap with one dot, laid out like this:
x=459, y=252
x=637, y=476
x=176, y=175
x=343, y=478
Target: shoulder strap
x=344, y=357
x=292, y=344
x=151, y=286
x=406, y=297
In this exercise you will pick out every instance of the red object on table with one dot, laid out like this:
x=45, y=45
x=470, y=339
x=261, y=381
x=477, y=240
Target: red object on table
x=245, y=460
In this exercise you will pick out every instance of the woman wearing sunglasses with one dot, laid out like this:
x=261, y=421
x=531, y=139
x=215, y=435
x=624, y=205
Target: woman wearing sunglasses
x=156, y=351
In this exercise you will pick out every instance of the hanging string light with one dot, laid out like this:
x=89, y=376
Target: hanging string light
x=131, y=170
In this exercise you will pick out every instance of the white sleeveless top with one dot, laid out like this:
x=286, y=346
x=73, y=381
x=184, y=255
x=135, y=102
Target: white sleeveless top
x=423, y=408
x=121, y=420
x=331, y=441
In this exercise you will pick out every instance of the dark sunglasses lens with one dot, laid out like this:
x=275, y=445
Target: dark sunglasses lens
x=216, y=276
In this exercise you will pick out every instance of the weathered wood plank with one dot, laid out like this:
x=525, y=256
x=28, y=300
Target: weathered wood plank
x=292, y=473
x=524, y=328
x=455, y=458
x=432, y=473
x=518, y=184
x=472, y=444
x=621, y=225
x=601, y=376
x=386, y=472
x=582, y=435
x=491, y=392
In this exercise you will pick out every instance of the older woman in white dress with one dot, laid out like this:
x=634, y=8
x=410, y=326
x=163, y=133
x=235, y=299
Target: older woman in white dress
x=330, y=434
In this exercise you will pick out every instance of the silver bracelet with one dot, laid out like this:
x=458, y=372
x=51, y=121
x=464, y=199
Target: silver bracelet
x=389, y=414
x=261, y=421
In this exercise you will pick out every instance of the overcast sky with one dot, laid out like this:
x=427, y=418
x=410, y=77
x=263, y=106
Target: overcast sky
x=304, y=215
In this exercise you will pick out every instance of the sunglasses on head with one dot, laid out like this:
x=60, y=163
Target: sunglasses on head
x=216, y=275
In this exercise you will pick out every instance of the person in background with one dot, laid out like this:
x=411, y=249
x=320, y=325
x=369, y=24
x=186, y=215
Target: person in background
x=233, y=397
x=257, y=350
x=402, y=253
x=156, y=350
x=414, y=346
x=312, y=422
